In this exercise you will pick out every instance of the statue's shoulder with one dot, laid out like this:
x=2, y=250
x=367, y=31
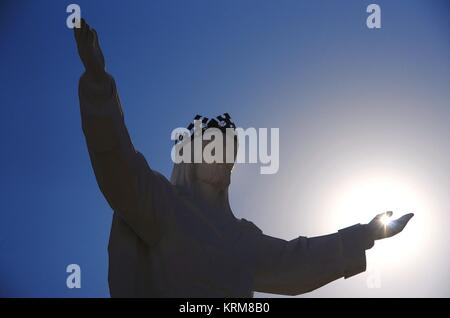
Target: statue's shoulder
x=249, y=227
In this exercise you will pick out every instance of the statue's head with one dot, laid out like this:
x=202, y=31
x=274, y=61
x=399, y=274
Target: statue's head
x=212, y=145
x=217, y=174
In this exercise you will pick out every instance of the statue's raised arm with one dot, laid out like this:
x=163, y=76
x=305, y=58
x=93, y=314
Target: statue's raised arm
x=131, y=188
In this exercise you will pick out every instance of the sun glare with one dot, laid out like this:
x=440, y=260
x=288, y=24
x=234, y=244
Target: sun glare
x=362, y=197
x=385, y=220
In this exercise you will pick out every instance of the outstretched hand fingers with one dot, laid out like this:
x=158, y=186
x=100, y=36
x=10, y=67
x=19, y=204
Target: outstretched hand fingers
x=379, y=216
x=81, y=32
x=97, y=47
x=89, y=49
x=77, y=31
x=401, y=222
x=90, y=35
x=398, y=225
x=383, y=228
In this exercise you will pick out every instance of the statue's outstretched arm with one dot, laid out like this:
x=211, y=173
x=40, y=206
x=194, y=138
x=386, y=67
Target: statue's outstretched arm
x=304, y=264
x=131, y=188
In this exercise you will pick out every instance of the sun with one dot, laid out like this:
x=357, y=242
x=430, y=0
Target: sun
x=385, y=220
x=360, y=197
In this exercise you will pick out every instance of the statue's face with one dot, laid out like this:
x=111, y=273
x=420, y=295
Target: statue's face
x=215, y=174
x=218, y=174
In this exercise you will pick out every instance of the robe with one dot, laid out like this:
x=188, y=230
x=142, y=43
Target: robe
x=163, y=245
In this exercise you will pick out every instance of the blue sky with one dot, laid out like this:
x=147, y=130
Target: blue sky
x=352, y=104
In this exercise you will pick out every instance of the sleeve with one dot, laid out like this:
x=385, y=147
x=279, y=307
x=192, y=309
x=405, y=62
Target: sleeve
x=139, y=195
x=305, y=264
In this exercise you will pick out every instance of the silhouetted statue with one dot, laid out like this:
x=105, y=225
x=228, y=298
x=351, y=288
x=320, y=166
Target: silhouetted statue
x=180, y=238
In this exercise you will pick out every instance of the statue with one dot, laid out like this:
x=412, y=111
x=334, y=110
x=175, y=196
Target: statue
x=179, y=238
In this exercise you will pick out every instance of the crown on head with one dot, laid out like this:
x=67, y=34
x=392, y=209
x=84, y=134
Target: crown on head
x=221, y=122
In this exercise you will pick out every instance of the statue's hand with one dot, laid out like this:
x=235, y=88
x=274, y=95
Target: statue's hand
x=89, y=50
x=379, y=230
